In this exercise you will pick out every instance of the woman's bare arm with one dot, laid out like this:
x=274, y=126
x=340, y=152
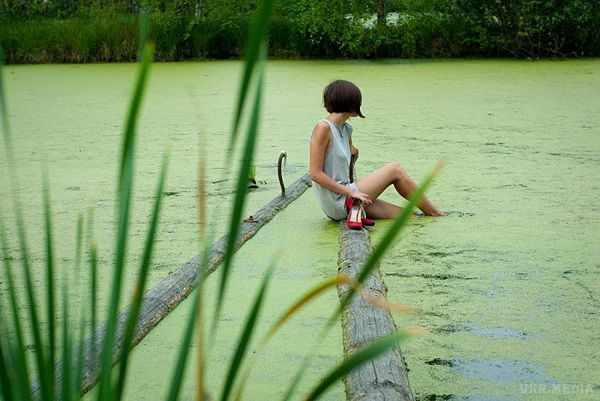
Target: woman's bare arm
x=319, y=142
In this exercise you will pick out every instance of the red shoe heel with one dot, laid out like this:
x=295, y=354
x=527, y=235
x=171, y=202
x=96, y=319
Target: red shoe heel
x=354, y=220
x=368, y=222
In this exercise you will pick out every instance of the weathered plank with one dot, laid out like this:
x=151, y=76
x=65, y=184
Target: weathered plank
x=384, y=378
x=160, y=300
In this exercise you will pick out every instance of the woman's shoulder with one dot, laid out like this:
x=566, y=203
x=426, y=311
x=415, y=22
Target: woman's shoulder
x=321, y=129
x=322, y=126
x=323, y=123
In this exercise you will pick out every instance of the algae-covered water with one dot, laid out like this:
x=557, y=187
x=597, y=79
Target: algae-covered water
x=506, y=284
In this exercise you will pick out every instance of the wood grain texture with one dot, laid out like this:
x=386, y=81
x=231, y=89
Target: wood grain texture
x=384, y=378
x=160, y=300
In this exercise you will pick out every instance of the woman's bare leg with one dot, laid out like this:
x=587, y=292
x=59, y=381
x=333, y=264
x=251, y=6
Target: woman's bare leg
x=381, y=209
x=393, y=174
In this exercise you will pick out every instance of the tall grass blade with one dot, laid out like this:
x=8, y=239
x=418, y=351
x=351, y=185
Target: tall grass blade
x=50, y=281
x=24, y=250
x=94, y=297
x=140, y=287
x=125, y=188
x=201, y=196
x=78, y=371
x=67, y=344
x=246, y=336
x=355, y=360
x=80, y=360
x=5, y=368
x=240, y=199
x=256, y=41
x=32, y=308
x=15, y=354
x=93, y=265
x=201, y=392
x=179, y=371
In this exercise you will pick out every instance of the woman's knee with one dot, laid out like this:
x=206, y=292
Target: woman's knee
x=396, y=171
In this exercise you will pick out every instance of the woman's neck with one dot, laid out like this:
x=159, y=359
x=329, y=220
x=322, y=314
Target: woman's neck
x=338, y=118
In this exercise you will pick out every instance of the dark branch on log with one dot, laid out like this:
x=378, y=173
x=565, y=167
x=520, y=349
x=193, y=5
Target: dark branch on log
x=282, y=156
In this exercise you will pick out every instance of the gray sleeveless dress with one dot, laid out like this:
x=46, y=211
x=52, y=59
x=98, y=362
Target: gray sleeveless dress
x=336, y=165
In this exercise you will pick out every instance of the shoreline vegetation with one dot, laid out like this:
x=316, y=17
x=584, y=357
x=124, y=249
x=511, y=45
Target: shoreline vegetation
x=88, y=31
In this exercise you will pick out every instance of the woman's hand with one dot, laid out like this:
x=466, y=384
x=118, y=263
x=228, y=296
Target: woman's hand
x=364, y=198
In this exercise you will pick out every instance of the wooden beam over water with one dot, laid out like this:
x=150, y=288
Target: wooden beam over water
x=162, y=299
x=384, y=378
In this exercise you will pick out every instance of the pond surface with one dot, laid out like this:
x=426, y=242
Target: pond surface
x=506, y=284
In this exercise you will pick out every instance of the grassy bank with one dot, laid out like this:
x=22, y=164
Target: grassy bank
x=308, y=31
x=114, y=38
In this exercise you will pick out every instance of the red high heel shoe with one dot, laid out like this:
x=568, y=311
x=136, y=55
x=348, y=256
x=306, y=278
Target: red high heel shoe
x=354, y=219
x=368, y=222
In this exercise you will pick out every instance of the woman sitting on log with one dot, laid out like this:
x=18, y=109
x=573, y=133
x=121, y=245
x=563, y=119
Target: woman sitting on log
x=331, y=150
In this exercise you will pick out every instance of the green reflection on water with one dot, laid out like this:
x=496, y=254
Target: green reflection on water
x=507, y=283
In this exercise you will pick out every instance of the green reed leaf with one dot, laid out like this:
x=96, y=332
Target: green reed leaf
x=125, y=188
x=5, y=368
x=182, y=356
x=32, y=306
x=24, y=250
x=67, y=345
x=93, y=297
x=244, y=339
x=50, y=282
x=359, y=357
x=93, y=266
x=78, y=369
x=240, y=198
x=179, y=371
x=14, y=364
x=17, y=351
x=80, y=361
x=202, y=268
x=134, y=310
x=78, y=372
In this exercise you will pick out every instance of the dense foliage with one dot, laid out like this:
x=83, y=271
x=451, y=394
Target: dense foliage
x=105, y=30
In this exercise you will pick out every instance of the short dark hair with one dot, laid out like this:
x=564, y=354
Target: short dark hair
x=342, y=97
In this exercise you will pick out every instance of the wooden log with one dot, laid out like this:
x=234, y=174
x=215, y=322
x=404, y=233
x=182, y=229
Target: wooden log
x=385, y=377
x=160, y=300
